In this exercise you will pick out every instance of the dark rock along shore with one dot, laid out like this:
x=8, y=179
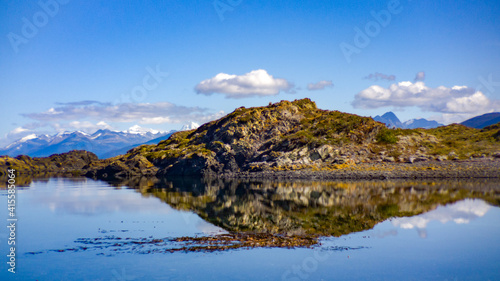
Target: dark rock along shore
x=292, y=140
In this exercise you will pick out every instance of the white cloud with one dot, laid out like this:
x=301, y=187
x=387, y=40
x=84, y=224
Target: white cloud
x=155, y=120
x=455, y=100
x=376, y=76
x=143, y=113
x=103, y=125
x=420, y=76
x=254, y=83
x=85, y=126
x=18, y=130
x=320, y=85
x=89, y=116
x=448, y=118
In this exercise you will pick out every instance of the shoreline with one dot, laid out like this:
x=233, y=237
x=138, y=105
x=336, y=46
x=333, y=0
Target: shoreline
x=80, y=165
x=451, y=169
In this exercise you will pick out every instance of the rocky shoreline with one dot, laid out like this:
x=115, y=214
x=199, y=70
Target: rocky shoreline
x=458, y=169
x=82, y=163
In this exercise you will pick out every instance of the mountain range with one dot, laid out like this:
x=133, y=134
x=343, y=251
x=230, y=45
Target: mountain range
x=482, y=121
x=104, y=143
x=392, y=121
x=479, y=122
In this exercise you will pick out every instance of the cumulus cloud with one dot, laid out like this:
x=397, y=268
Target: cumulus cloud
x=143, y=113
x=420, y=76
x=454, y=100
x=380, y=76
x=254, y=83
x=320, y=85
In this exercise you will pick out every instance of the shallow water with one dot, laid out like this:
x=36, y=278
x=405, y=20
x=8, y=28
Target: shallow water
x=80, y=229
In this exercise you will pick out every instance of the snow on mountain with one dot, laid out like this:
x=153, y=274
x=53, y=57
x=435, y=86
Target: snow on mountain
x=138, y=130
x=190, y=126
x=28, y=137
x=101, y=142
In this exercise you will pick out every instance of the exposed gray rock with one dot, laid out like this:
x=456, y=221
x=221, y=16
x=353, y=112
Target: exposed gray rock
x=389, y=159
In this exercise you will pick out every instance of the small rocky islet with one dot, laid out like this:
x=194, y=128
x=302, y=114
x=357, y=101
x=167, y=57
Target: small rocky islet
x=291, y=140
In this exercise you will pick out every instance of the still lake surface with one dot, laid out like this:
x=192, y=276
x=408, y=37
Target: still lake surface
x=81, y=229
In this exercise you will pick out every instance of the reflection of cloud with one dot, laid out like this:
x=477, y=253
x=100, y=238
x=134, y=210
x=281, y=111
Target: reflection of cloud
x=209, y=228
x=392, y=232
x=460, y=212
x=93, y=201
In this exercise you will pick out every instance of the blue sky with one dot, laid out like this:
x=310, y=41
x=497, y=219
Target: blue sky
x=83, y=65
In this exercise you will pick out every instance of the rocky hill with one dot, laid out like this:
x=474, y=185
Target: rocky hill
x=296, y=136
x=283, y=135
x=73, y=163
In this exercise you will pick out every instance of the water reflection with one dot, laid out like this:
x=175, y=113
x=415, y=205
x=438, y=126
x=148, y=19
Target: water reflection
x=323, y=208
x=91, y=223
x=460, y=213
x=303, y=211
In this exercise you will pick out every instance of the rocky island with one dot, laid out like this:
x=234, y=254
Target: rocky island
x=292, y=140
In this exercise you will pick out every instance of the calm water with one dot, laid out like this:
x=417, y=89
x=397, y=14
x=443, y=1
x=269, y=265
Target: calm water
x=80, y=229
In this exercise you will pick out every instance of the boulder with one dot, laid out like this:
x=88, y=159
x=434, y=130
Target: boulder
x=388, y=159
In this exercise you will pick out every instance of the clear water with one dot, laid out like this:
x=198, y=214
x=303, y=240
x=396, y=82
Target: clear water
x=71, y=229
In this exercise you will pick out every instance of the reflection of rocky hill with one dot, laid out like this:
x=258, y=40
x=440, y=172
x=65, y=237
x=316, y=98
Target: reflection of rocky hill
x=313, y=208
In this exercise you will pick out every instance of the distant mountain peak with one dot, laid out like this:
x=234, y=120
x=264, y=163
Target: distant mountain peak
x=83, y=133
x=190, y=126
x=390, y=114
x=138, y=130
x=28, y=137
x=391, y=120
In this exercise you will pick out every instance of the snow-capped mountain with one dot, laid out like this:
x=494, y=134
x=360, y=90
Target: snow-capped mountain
x=104, y=143
x=138, y=130
x=190, y=126
x=392, y=121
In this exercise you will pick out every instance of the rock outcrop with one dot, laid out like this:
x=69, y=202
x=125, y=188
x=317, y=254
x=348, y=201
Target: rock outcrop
x=283, y=135
x=71, y=163
x=297, y=135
